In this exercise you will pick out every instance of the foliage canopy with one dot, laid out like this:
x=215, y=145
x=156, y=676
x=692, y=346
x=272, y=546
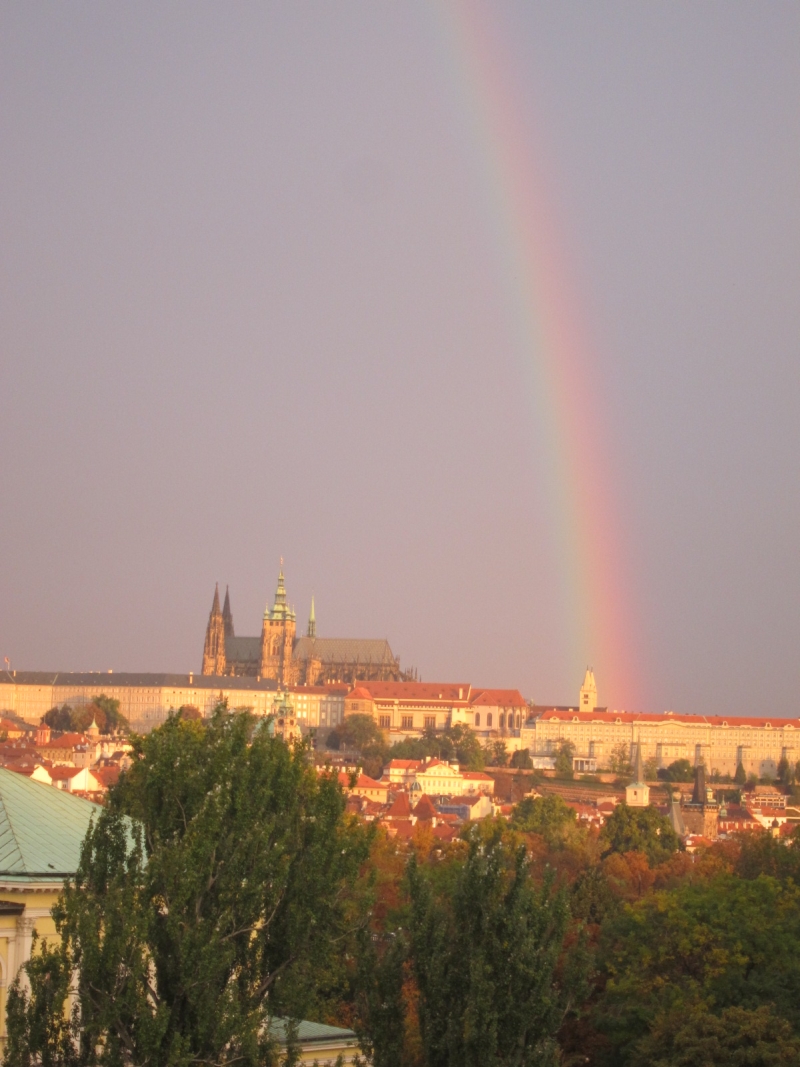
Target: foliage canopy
x=214, y=892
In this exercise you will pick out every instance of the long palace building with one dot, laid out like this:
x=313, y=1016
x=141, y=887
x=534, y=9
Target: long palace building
x=147, y=699
x=720, y=742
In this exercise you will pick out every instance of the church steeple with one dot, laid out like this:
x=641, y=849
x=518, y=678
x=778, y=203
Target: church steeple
x=227, y=617
x=587, y=699
x=214, y=648
x=312, y=622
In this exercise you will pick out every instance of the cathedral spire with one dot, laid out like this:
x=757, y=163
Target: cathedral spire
x=312, y=622
x=227, y=617
x=215, y=602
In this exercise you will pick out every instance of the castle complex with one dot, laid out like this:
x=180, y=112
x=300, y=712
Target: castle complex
x=279, y=654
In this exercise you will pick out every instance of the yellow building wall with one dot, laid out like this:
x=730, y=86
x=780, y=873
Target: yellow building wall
x=16, y=933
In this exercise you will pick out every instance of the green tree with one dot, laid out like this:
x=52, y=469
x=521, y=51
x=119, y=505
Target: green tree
x=480, y=1002
x=521, y=759
x=740, y=777
x=358, y=731
x=620, y=762
x=548, y=816
x=718, y=943
x=650, y=769
x=496, y=754
x=566, y=750
x=680, y=770
x=737, y=1037
x=214, y=891
x=786, y=772
x=58, y=718
x=639, y=830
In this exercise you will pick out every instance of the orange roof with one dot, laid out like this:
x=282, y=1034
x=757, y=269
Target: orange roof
x=498, y=698
x=405, y=764
x=106, y=776
x=603, y=715
x=424, y=691
x=400, y=807
x=359, y=693
x=68, y=741
x=424, y=808
x=62, y=773
x=476, y=776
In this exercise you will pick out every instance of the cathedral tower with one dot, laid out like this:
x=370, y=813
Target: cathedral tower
x=312, y=622
x=277, y=638
x=214, y=648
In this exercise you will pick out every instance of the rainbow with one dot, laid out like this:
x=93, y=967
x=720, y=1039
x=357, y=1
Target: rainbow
x=567, y=411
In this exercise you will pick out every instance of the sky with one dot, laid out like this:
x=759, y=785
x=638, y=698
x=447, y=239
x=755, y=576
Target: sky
x=276, y=280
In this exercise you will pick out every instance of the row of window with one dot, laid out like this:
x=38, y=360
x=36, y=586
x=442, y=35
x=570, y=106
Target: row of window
x=502, y=718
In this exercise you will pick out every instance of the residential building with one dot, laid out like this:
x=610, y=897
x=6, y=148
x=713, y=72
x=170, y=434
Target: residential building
x=436, y=778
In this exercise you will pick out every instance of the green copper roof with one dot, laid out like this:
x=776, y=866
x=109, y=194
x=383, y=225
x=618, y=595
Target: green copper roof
x=308, y=1032
x=41, y=829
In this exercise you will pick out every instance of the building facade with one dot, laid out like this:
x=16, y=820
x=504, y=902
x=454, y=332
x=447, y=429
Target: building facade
x=408, y=709
x=720, y=743
x=147, y=699
x=280, y=655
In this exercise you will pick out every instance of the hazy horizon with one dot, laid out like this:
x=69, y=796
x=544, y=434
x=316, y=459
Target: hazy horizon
x=257, y=302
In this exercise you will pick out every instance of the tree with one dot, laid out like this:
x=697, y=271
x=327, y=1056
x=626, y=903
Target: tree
x=357, y=731
x=620, y=762
x=496, y=754
x=104, y=710
x=724, y=942
x=455, y=743
x=737, y=1037
x=521, y=759
x=639, y=830
x=740, y=777
x=549, y=816
x=58, y=718
x=566, y=750
x=479, y=1002
x=650, y=769
x=680, y=770
x=786, y=772
x=214, y=891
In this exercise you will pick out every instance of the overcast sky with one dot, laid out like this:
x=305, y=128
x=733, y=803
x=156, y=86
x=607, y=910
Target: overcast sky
x=252, y=305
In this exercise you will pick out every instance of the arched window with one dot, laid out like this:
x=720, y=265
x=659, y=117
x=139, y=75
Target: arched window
x=488, y=718
x=502, y=720
x=519, y=723
x=477, y=718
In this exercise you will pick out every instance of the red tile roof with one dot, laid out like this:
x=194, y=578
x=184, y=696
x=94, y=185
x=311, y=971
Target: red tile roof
x=603, y=715
x=400, y=807
x=422, y=691
x=424, y=808
x=498, y=698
